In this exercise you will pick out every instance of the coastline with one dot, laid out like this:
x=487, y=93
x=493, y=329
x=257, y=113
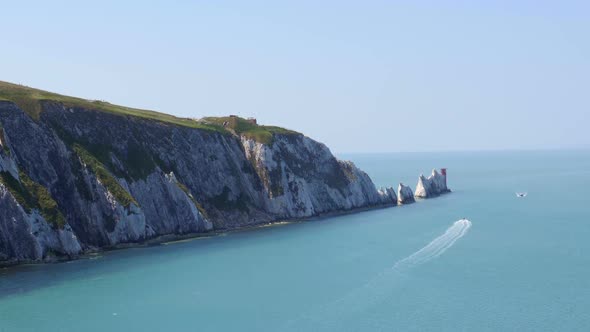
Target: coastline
x=169, y=239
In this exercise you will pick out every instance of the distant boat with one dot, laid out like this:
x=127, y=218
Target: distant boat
x=521, y=194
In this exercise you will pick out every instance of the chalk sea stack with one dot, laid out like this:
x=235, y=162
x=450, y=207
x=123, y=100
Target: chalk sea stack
x=434, y=185
x=80, y=175
x=405, y=194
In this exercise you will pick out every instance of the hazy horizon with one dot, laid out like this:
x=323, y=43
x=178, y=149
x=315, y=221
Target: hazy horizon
x=362, y=78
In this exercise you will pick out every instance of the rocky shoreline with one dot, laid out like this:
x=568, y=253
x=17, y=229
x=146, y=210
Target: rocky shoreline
x=77, y=178
x=174, y=238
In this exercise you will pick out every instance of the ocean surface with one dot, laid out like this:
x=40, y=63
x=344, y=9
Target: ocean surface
x=515, y=264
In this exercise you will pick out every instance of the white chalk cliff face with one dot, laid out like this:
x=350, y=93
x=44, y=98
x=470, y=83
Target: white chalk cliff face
x=26, y=235
x=301, y=178
x=432, y=186
x=388, y=195
x=77, y=180
x=405, y=194
x=101, y=179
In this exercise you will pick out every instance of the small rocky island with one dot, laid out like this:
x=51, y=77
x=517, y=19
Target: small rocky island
x=434, y=185
x=79, y=175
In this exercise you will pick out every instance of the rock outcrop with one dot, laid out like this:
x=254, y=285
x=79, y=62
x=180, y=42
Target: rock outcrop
x=388, y=195
x=405, y=194
x=79, y=175
x=77, y=179
x=434, y=185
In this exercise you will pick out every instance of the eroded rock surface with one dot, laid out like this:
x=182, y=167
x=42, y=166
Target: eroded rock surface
x=94, y=179
x=434, y=185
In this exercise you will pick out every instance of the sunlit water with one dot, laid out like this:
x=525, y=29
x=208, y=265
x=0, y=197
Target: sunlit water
x=514, y=264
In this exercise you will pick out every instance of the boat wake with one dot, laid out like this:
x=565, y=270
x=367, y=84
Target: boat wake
x=436, y=247
x=382, y=285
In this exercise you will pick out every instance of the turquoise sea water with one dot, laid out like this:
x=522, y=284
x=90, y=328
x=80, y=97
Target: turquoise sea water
x=521, y=264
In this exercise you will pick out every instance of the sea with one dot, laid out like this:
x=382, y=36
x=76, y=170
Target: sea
x=477, y=259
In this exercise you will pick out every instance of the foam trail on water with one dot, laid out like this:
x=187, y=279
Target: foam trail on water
x=383, y=284
x=436, y=247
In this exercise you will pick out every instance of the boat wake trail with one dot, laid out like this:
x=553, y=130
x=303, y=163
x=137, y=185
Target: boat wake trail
x=381, y=286
x=436, y=247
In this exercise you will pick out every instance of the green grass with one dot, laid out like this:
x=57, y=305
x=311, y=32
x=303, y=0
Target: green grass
x=29, y=100
x=105, y=177
x=31, y=195
x=197, y=204
x=137, y=163
x=259, y=133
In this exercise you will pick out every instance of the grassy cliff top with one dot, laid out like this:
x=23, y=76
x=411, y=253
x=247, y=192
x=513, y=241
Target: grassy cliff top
x=248, y=128
x=29, y=100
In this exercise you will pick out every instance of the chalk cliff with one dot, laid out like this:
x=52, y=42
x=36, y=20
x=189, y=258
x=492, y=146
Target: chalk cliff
x=432, y=186
x=405, y=194
x=78, y=176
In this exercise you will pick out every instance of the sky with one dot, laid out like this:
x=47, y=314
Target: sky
x=360, y=76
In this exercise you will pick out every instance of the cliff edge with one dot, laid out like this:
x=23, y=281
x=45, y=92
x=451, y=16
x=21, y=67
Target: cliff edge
x=78, y=175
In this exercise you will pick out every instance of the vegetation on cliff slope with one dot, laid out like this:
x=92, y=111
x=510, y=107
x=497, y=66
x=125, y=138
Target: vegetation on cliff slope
x=31, y=195
x=137, y=163
x=195, y=202
x=29, y=100
x=247, y=128
x=105, y=177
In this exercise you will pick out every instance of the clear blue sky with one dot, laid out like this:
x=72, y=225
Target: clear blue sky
x=363, y=76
